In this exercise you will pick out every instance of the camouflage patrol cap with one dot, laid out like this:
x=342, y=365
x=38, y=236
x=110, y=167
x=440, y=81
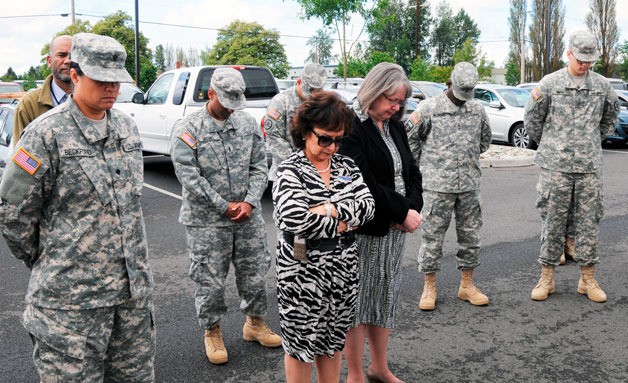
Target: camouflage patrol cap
x=463, y=79
x=101, y=58
x=313, y=77
x=229, y=87
x=583, y=46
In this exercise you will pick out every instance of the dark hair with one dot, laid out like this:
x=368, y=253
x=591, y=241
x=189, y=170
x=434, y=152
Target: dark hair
x=324, y=110
x=77, y=68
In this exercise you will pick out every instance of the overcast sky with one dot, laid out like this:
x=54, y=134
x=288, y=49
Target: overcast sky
x=22, y=38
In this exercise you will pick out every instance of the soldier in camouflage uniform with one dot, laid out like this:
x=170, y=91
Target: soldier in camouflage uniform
x=219, y=157
x=70, y=209
x=569, y=113
x=448, y=133
x=278, y=119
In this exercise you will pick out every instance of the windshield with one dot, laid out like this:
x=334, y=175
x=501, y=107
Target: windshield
x=516, y=97
x=431, y=90
x=10, y=88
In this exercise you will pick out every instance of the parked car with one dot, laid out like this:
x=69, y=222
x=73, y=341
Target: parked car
x=527, y=85
x=620, y=135
x=622, y=95
x=10, y=91
x=617, y=83
x=424, y=89
x=504, y=106
x=127, y=90
x=284, y=84
x=6, y=132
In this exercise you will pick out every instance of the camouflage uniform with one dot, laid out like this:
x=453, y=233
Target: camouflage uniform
x=216, y=165
x=447, y=141
x=278, y=119
x=71, y=211
x=569, y=123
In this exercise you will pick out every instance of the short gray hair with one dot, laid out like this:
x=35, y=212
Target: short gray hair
x=384, y=78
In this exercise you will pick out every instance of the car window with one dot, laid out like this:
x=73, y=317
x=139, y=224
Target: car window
x=10, y=88
x=260, y=84
x=515, y=97
x=158, y=93
x=6, y=127
x=180, y=88
x=432, y=89
x=485, y=95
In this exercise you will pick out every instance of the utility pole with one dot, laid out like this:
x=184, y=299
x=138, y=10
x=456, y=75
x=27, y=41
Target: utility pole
x=548, y=6
x=522, y=43
x=137, y=44
x=417, y=24
x=73, y=14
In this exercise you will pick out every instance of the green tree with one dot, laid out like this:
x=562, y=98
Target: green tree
x=359, y=67
x=248, y=43
x=338, y=14
x=391, y=29
x=512, y=73
x=517, y=22
x=602, y=22
x=539, y=30
x=450, y=32
x=320, y=48
x=467, y=52
x=440, y=73
x=622, y=62
x=10, y=75
x=420, y=70
x=120, y=26
x=160, y=59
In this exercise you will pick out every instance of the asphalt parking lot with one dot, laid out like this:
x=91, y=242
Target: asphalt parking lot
x=566, y=338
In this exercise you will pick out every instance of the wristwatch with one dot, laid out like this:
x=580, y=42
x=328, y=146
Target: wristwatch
x=328, y=209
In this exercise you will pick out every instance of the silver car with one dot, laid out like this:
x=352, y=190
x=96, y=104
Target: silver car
x=504, y=106
x=6, y=131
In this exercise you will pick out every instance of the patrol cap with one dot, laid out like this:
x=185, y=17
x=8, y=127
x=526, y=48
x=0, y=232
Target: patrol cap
x=229, y=87
x=583, y=46
x=463, y=79
x=313, y=77
x=101, y=58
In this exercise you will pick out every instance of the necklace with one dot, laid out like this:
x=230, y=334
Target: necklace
x=326, y=169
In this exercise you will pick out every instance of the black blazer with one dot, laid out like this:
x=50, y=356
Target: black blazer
x=369, y=151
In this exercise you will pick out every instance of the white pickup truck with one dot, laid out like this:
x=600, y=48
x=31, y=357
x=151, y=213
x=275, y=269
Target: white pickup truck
x=179, y=92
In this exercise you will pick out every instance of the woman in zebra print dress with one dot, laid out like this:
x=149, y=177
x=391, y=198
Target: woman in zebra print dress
x=379, y=146
x=319, y=196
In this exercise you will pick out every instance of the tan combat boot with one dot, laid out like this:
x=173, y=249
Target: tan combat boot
x=569, y=249
x=215, y=347
x=588, y=285
x=546, y=284
x=256, y=330
x=468, y=291
x=428, y=298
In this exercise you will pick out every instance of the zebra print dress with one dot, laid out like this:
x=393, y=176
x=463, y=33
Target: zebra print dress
x=317, y=297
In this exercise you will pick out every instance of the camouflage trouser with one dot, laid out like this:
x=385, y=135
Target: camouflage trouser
x=437, y=209
x=108, y=344
x=212, y=250
x=558, y=195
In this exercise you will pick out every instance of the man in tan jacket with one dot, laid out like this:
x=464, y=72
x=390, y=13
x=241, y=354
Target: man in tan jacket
x=56, y=89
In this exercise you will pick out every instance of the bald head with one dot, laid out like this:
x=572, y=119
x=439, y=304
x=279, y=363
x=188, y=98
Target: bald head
x=59, y=60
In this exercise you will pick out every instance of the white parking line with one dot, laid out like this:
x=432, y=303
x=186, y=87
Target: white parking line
x=162, y=191
x=615, y=151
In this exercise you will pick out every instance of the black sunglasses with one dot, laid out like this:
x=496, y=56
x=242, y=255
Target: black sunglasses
x=325, y=140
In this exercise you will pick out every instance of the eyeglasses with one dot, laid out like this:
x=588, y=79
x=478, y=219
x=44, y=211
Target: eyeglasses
x=325, y=140
x=392, y=102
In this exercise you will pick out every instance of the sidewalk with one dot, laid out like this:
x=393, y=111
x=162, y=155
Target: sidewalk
x=501, y=156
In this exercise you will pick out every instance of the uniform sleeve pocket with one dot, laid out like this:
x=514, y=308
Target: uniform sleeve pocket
x=53, y=334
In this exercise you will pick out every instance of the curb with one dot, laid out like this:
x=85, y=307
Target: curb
x=506, y=156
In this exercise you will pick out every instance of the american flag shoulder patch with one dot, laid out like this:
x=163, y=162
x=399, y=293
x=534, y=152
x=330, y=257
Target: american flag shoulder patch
x=415, y=118
x=274, y=114
x=188, y=139
x=535, y=94
x=26, y=161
